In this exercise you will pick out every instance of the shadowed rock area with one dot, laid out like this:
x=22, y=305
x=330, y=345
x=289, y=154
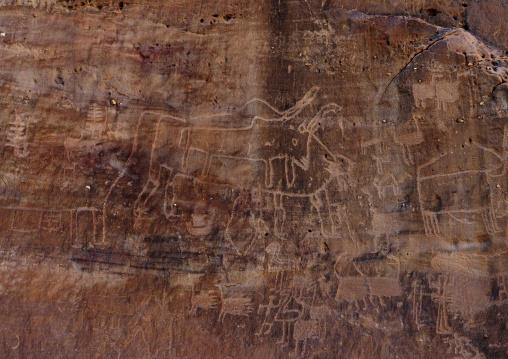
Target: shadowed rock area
x=254, y=179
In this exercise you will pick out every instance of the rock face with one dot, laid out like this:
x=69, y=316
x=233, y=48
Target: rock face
x=254, y=179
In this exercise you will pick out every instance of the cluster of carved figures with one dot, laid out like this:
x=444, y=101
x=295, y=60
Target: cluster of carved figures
x=300, y=312
x=280, y=159
x=262, y=169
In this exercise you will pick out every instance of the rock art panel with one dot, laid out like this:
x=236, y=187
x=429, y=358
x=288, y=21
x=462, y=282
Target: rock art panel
x=309, y=179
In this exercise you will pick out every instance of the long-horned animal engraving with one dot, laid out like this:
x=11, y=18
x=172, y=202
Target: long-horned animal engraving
x=280, y=149
x=243, y=142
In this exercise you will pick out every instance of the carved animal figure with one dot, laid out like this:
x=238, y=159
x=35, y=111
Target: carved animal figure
x=237, y=305
x=441, y=92
x=281, y=149
x=280, y=265
x=303, y=331
x=422, y=92
x=264, y=140
x=356, y=287
x=456, y=184
x=203, y=300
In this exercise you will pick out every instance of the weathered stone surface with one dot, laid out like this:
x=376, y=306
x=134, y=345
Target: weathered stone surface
x=253, y=179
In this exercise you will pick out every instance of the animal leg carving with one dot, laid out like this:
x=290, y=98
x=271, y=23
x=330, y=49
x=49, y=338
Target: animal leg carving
x=150, y=190
x=320, y=202
x=490, y=222
x=280, y=215
x=431, y=223
x=169, y=195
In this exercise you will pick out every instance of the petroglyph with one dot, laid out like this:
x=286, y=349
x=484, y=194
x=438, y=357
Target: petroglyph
x=201, y=223
x=204, y=300
x=361, y=290
x=230, y=179
x=408, y=139
x=236, y=305
x=502, y=282
x=440, y=92
x=303, y=331
x=289, y=148
x=18, y=136
x=390, y=182
x=440, y=180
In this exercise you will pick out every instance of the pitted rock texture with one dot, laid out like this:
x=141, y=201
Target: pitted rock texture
x=254, y=179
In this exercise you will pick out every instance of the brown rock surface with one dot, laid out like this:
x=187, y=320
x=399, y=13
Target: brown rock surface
x=253, y=179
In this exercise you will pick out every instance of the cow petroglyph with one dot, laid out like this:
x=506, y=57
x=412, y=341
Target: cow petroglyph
x=276, y=153
x=456, y=183
x=442, y=92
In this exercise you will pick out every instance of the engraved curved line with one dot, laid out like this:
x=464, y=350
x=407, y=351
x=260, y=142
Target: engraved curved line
x=422, y=178
x=17, y=345
x=286, y=115
x=458, y=219
x=466, y=211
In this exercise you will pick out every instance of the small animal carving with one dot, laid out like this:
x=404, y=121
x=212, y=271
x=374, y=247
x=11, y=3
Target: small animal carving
x=207, y=300
x=235, y=305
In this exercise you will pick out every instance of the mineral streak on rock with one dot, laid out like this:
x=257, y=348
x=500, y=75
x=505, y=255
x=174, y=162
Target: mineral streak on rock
x=253, y=179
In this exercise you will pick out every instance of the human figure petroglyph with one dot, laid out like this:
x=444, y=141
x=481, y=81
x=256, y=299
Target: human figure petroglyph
x=68, y=174
x=95, y=130
x=311, y=323
x=417, y=299
x=293, y=310
x=96, y=123
x=269, y=311
x=440, y=295
x=502, y=282
x=289, y=312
